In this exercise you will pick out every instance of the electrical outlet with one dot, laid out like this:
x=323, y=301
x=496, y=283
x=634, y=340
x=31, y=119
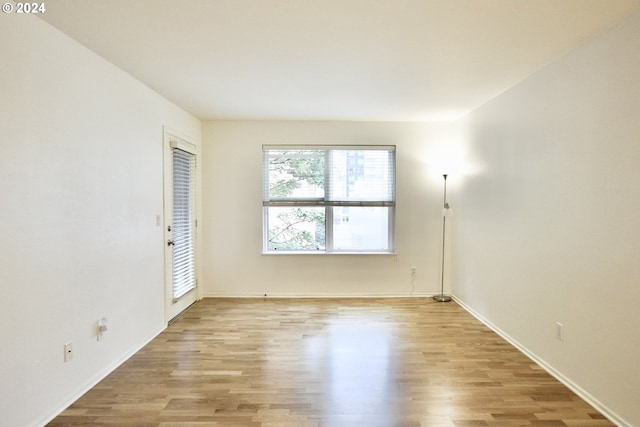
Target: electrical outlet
x=68, y=351
x=559, y=331
x=102, y=328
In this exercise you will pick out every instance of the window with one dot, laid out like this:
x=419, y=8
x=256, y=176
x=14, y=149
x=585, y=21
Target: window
x=328, y=199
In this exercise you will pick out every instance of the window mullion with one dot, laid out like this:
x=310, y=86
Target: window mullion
x=328, y=211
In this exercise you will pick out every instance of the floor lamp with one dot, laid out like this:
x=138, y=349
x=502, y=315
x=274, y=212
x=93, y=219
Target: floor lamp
x=446, y=211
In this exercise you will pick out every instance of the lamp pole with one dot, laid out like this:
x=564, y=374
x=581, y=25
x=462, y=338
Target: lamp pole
x=445, y=210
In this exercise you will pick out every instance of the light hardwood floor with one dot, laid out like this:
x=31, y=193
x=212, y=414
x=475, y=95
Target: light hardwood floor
x=329, y=363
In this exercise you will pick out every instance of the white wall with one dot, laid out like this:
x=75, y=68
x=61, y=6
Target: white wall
x=550, y=230
x=80, y=188
x=232, y=213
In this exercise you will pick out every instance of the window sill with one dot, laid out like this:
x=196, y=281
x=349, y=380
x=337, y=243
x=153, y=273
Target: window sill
x=326, y=253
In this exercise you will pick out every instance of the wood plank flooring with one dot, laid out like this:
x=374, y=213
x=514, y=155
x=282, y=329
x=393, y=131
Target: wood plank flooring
x=397, y=362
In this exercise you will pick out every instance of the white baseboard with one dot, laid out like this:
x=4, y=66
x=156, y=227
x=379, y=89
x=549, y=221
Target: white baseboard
x=294, y=295
x=93, y=381
x=583, y=394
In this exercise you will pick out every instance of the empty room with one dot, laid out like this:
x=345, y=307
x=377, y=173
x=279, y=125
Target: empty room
x=320, y=213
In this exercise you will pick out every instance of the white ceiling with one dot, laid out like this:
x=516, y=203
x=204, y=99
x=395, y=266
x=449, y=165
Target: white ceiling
x=405, y=60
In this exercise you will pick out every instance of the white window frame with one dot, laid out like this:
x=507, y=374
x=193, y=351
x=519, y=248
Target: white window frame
x=328, y=205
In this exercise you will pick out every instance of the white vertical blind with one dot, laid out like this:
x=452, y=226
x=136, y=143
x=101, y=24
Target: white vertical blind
x=184, y=276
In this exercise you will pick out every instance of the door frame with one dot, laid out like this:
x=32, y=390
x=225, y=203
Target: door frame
x=172, y=137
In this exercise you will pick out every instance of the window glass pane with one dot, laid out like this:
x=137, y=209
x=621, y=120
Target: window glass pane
x=296, y=228
x=295, y=174
x=362, y=175
x=361, y=228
